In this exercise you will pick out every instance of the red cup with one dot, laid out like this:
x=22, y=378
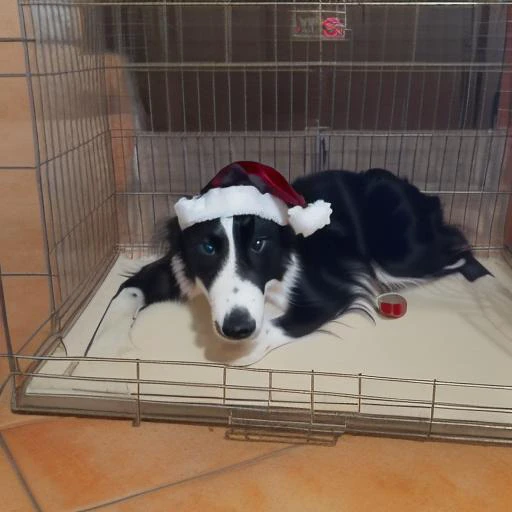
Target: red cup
x=392, y=305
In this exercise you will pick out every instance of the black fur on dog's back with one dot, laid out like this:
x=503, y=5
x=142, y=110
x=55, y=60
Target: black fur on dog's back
x=378, y=221
x=386, y=221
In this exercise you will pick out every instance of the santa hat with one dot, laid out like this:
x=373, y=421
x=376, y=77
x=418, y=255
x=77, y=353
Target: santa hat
x=251, y=188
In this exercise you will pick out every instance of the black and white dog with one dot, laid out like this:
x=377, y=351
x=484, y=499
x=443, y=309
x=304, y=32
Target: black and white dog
x=383, y=234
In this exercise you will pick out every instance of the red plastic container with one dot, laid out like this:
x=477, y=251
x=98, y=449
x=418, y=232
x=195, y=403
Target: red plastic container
x=392, y=305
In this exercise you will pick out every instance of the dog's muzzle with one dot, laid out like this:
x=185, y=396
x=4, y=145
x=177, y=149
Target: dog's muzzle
x=238, y=325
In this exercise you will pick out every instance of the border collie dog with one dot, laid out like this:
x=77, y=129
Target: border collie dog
x=383, y=234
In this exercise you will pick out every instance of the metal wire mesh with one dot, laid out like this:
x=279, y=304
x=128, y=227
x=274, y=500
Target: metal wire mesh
x=185, y=87
x=412, y=87
x=74, y=151
x=139, y=102
x=309, y=402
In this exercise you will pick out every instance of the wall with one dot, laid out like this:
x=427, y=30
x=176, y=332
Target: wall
x=22, y=252
x=63, y=172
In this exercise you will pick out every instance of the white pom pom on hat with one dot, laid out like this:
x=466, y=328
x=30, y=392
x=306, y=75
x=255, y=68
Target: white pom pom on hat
x=251, y=188
x=307, y=220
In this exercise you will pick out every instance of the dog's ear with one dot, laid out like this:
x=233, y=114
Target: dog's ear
x=173, y=233
x=167, y=235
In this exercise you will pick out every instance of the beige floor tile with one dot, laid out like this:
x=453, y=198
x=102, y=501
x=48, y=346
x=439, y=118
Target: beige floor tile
x=13, y=495
x=360, y=474
x=9, y=419
x=12, y=57
x=9, y=20
x=4, y=364
x=75, y=463
x=21, y=236
x=16, y=137
x=28, y=307
x=4, y=369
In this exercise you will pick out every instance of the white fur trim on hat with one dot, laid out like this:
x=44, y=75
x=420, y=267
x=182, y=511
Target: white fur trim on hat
x=305, y=221
x=248, y=200
x=230, y=201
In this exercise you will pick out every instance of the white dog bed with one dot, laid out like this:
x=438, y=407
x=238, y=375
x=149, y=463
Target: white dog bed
x=453, y=331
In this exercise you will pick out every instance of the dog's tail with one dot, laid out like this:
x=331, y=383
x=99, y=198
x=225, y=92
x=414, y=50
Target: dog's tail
x=472, y=269
x=466, y=265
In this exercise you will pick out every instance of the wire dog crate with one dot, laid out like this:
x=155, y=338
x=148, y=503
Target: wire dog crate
x=136, y=103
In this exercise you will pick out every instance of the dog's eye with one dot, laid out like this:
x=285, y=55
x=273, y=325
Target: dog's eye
x=258, y=244
x=208, y=248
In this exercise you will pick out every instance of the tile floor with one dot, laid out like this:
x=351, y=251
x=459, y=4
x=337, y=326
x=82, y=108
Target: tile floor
x=70, y=464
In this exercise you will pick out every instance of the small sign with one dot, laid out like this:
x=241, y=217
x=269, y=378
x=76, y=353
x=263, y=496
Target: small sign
x=323, y=25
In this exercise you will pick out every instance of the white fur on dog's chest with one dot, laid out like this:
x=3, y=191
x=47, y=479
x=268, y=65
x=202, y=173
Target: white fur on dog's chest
x=280, y=293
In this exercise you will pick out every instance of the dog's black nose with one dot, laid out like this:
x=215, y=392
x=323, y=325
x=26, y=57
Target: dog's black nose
x=238, y=324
